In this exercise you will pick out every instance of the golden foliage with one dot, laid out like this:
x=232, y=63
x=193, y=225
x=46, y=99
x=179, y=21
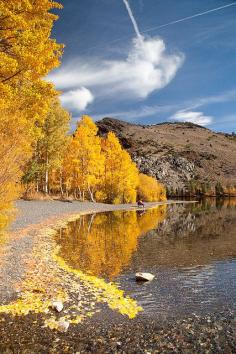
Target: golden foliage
x=83, y=163
x=27, y=53
x=230, y=190
x=49, y=151
x=120, y=177
x=14, y=150
x=105, y=292
x=150, y=190
x=98, y=168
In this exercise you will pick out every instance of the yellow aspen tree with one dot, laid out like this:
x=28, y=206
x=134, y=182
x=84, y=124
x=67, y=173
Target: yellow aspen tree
x=120, y=173
x=150, y=190
x=49, y=149
x=14, y=150
x=68, y=172
x=86, y=160
x=54, y=140
x=27, y=53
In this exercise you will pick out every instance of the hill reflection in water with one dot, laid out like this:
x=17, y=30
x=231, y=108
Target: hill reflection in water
x=193, y=234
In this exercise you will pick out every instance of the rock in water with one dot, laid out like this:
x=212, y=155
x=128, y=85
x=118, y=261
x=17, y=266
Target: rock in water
x=57, y=305
x=144, y=276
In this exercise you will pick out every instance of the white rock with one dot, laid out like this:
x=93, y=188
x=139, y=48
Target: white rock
x=144, y=276
x=63, y=325
x=58, y=306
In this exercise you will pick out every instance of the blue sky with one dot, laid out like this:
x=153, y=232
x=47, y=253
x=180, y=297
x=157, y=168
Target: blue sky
x=183, y=71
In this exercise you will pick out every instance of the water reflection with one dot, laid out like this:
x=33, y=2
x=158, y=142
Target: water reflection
x=103, y=244
x=182, y=236
x=190, y=248
x=191, y=235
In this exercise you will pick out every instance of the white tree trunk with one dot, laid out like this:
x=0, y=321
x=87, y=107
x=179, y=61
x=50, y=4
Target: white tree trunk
x=46, y=176
x=91, y=194
x=61, y=183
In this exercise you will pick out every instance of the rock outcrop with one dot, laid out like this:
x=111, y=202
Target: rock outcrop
x=173, y=171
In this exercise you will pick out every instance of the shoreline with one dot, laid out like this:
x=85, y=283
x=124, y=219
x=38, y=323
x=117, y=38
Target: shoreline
x=35, y=211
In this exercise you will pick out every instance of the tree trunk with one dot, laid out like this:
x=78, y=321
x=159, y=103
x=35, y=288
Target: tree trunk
x=46, y=176
x=61, y=184
x=80, y=194
x=37, y=183
x=91, y=194
x=90, y=223
x=26, y=190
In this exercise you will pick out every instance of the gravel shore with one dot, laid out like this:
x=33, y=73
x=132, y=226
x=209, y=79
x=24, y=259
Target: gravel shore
x=213, y=334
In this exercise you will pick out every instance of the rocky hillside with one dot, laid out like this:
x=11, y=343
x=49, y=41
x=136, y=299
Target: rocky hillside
x=178, y=154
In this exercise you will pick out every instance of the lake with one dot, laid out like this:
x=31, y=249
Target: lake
x=190, y=248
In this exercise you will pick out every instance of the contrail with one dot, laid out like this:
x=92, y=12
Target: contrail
x=136, y=29
x=160, y=26
x=189, y=17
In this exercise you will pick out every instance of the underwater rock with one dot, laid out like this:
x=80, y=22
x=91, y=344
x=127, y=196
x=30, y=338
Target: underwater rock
x=144, y=276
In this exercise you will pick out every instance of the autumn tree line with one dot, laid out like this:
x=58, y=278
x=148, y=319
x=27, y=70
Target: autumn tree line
x=83, y=165
x=36, y=151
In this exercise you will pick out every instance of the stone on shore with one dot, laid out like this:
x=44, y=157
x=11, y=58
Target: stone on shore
x=63, y=326
x=58, y=306
x=144, y=276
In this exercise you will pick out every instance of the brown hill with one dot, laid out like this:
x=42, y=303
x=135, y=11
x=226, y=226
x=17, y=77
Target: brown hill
x=181, y=155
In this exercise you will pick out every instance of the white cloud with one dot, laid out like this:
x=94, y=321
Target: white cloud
x=193, y=117
x=77, y=99
x=147, y=68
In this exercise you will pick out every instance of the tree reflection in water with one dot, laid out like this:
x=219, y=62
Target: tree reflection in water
x=103, y=244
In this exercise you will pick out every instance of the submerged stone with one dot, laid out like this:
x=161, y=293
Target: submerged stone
x=144, y=276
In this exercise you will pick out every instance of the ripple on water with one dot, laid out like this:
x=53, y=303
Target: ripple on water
x=185, y=291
